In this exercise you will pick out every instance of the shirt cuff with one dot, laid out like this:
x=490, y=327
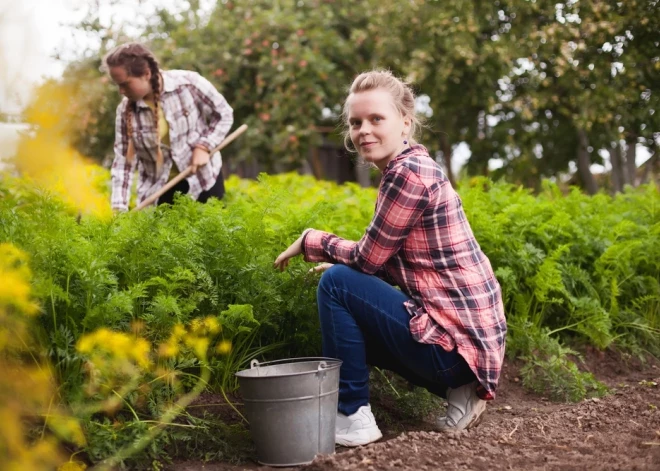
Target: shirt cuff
x=312, y=246
x=205, y=143
x=483, y=394
x=119, y=207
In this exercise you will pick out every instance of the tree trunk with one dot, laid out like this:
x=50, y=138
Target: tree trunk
x=363, y=173
x=317, y=167
x=445, y=147
x=631, y=165
x=584, y=164
x=617, y=173
x=649, y=167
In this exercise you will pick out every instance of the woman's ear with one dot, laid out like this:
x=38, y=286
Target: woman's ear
x=407, y=123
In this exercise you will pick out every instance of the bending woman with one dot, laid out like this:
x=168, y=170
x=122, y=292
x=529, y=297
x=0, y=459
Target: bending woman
x=167, y=121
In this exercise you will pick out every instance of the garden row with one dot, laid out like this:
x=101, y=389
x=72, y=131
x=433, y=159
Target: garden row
x=191, y=279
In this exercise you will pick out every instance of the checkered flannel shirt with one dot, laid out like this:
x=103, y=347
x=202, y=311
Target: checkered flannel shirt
x=420, y=240
x=197, y=114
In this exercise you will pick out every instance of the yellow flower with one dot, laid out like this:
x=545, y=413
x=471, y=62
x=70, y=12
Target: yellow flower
x=199, y=345
x=46, y=157
x=13, y=290
x=108, y=349
x=196, y=326
x=178, y=331
x=15, y=276
x=141, y=351
x=224, y=347
x=212, y=325
x=67, y=428
x=168, y=349
x=85, y=344
x=72, y=466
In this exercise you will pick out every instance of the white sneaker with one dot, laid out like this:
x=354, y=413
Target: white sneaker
x=464, y=409
x=357, y=429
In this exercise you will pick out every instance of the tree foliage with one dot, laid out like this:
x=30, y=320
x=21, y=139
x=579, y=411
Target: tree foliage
x=541, y=86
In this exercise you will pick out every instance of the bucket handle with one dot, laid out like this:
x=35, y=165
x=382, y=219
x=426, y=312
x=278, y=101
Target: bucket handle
x=323, y=365
x=320, y=371
x=325, y=361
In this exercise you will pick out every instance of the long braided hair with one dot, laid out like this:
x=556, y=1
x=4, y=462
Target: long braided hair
x=136, y=59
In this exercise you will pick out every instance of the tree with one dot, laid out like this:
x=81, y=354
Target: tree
x=541, y=85
x=458, y=51
x=582, y=71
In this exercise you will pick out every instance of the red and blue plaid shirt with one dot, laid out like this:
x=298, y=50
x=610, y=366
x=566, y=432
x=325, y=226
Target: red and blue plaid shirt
x=196, y=113
x=420, y=240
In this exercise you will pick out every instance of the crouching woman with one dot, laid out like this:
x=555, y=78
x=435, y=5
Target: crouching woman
x=445, y=328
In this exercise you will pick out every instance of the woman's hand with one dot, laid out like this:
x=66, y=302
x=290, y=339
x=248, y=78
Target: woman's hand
x=321, y=267
x=282, y=260
x=200, y=158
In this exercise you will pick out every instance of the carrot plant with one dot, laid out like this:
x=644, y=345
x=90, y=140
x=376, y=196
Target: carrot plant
x=574, y=270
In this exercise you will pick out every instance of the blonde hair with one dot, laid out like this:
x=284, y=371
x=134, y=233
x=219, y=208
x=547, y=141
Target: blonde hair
x=136, y=59
x=400, y=91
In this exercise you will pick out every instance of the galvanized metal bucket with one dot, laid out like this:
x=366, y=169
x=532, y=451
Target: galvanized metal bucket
x=291, y=405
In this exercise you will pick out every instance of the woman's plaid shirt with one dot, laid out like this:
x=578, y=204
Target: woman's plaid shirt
x=420, y=240
x=197, y=114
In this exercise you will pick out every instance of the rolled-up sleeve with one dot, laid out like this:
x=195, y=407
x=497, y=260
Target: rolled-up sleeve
x=402, y=200
x=122, y=170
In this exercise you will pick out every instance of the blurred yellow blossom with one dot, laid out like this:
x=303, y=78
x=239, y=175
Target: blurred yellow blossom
x=178, y=331
x=117, y=364
x=196, y=337
x=199, y=345
x=46, y=157
x=67, y=428
x=168, y=349
x=117, y=347
x=224, y=347
x=72, y=466
x=25, y=389
x=212, y=325
x=15, y=275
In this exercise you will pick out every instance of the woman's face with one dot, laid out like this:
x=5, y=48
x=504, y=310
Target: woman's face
x=133, y=88
x=377, y=129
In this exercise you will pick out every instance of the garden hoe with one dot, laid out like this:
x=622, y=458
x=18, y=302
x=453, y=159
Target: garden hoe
x=188, y=171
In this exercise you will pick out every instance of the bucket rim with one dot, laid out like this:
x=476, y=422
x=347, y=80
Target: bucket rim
x=333, y=363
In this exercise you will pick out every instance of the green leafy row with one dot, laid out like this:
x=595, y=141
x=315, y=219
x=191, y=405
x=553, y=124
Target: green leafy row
x=574, y=269
x=577, y=266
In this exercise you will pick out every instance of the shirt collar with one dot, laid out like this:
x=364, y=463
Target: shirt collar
x=169, y=84
x=414, y=149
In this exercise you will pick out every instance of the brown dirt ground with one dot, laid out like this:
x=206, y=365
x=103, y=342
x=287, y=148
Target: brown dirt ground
x=524, y=431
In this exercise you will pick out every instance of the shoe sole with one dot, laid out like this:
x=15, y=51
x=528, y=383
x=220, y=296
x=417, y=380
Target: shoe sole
x=475, y=421
x=370, y=437
x=472, y=424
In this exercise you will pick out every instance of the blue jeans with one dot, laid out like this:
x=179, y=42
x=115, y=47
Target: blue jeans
x=364, y=322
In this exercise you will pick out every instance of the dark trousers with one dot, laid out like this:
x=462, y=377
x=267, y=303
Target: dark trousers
x=364, y=322
x=216, y=191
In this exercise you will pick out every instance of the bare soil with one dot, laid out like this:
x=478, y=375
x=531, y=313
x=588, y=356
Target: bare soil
x=522, y=430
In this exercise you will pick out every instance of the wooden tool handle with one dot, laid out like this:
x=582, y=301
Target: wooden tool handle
x=186, y=173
